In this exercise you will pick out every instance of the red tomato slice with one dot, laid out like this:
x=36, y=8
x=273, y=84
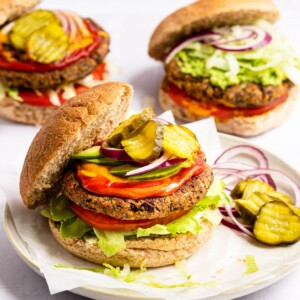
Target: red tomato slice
x=219, y=111
x=32, y=98
x=98, y=180
x=104, y=222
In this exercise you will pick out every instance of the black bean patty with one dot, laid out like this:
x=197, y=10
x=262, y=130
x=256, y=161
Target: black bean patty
x=52, y=79
x=131, y=209
x=245, y=95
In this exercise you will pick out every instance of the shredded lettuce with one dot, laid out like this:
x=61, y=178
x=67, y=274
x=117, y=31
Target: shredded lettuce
x=269, y=65
x=251, y=266
x=73, y=228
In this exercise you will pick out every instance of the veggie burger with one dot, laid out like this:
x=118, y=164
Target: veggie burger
x=136, y=193
x=46, y=57
x=227, y=60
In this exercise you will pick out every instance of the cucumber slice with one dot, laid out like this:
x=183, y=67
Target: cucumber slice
x=277, y=224
x=145, y=144
x=48, y=44
x=93, y=152
x=128, y=127
x=29, y=23
x=122, y=169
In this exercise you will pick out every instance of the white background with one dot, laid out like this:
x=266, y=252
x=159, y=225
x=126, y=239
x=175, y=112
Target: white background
x=130, y=24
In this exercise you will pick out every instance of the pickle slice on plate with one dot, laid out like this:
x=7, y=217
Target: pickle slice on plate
x=180, y=141
x=126, y=128
x=245, y=188
x=249, y=208
x=277, y=224
x=145, y=144
x=48, y=44
x=29, y=23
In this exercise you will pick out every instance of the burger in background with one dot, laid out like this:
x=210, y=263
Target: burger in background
x=46, y=57
x=225, y=59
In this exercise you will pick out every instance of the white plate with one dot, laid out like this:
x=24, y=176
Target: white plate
x=239, y=289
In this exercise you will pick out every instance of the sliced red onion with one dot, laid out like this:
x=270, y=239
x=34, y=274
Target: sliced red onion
x=229, y=223
x=236, y=222
x=114, y=153
x=64, y=21
x=160, y=120
x=152, y=166
x=224, y=39
x=233, y=210
x=251, y=151
x=205, y=37
x=257, y=38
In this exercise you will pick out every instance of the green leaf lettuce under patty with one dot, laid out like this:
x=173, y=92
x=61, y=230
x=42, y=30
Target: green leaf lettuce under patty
x=112, y=242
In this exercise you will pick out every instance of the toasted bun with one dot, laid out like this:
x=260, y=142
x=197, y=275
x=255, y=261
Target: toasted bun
x=11, y=9
x=205, y=14
x=155, y=252
x=76, y=125
x=242, y=126
x=16, y=111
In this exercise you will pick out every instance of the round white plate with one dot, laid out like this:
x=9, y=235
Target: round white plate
x=240, y=288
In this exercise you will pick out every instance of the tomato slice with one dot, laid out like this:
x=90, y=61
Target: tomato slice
x=218, y=111
x=98, y=180
x=42, y=99
x=104, y=222
x=32, y=66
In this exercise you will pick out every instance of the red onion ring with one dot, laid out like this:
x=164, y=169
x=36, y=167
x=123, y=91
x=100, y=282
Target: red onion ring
x=115, y=153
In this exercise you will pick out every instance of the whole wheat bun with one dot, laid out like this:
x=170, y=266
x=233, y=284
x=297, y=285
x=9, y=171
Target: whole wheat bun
x=239, y=125
x=154, y=252
x=206, y=14
x=19, y=112
x=76, y=125
x=10, y=9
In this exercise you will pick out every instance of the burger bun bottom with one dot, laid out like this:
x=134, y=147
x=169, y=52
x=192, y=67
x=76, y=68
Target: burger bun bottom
x=239, y=125
x=150, y=251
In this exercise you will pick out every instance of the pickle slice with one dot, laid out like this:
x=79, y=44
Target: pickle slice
x=245, y=188
x=277, y=224
x=48, y=44
x=126, y=128
x=249, y=208
x=145, y=144
x=180, y=141
x=29, y=23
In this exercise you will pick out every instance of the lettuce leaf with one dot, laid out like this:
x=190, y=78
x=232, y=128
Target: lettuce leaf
x=269, y=65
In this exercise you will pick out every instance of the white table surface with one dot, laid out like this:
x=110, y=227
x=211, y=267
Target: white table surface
x=130, y=24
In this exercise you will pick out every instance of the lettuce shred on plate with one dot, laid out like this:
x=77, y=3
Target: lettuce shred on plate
x=269, y=65
x=251, y=266
x=111, y=242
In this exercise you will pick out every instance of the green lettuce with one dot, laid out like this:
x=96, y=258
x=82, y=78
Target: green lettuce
x=112, y=242
x=269, y=65
x=12, y=92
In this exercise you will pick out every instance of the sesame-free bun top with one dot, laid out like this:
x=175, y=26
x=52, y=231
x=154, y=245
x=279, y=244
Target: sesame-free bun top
x=76, y=125
x=207, y=14
x=10, y=9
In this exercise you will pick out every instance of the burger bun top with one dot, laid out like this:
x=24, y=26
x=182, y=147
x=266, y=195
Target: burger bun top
x=76, y=125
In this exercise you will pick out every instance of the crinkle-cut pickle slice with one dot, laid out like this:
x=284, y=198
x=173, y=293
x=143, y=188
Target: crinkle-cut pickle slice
x=48, y=44
x=277, y=224
x=29, y=23
x=145, y=145
x=128, y=127
x=249, y=208
x=245, y=188
x=180, y=141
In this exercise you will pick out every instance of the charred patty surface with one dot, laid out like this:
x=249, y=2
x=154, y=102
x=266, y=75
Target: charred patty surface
x=52, y=79
x=131, y=209
x=245, y=95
